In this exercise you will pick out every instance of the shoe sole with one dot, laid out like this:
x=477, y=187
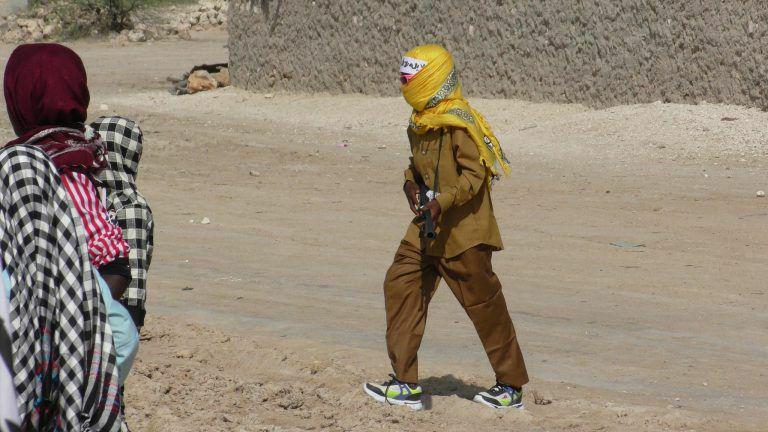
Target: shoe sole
x=415, y=406
x=479, y=399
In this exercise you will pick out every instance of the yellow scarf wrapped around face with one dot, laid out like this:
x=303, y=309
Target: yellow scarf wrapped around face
x=434, y=92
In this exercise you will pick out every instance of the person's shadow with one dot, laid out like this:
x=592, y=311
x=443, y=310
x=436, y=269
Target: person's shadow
x=447, y=385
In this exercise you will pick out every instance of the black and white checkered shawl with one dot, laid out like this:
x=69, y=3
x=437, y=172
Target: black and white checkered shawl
x=64, y=358
x=124, y=140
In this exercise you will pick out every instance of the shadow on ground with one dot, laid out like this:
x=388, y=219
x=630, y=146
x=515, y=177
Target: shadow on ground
x=449, y=385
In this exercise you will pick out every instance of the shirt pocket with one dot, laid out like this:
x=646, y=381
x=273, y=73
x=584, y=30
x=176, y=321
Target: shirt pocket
x=425, y=158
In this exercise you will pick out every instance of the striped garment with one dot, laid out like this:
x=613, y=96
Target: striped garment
x=104, y=238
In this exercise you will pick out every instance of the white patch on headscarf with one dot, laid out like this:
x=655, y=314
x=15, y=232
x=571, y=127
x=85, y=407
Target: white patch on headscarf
x=89, y=132
x=410, y=65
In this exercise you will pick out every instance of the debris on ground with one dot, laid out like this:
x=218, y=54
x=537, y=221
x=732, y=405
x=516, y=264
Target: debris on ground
x=34, y=25
x=200, y=78
x=538, y=399
x=43, y=23
x=627, y=245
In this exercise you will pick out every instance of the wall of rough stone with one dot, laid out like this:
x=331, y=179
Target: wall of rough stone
x=597, y=52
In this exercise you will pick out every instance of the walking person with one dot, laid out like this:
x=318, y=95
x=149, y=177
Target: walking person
x=455, y=159
x=127, y=206
x=47, y=98
x=65, y=363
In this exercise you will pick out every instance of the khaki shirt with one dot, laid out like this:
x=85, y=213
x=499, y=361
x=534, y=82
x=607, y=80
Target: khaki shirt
x=467, y=218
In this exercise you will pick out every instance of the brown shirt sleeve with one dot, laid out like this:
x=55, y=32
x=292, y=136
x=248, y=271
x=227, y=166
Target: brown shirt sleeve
x=472, y=172
x=410, y=172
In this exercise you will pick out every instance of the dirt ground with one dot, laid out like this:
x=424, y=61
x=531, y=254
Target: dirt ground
x=271, y=317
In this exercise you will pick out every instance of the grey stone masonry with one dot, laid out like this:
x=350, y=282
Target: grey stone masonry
x=596, y=52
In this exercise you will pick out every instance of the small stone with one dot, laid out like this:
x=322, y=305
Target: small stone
x=269, y=96
x=183, y=354
x=222, y=77
x=49, y=30
x=254, y=173
x=751, y=27
x=205, y=221
x=761, y=194
x=137, y=36
x=382, y=147
x=104, y=107
x=13, y=36
x=200, y=80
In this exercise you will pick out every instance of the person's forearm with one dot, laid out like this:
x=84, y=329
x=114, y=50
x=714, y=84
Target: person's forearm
x=473, y=173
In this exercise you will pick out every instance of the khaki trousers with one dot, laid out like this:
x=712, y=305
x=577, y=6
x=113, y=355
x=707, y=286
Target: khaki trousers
x=409, y=286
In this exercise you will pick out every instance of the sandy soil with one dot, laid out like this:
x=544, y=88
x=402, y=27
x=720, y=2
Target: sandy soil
x=270, y=317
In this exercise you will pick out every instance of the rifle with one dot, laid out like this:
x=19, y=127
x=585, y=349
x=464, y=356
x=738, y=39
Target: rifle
x=428, y=229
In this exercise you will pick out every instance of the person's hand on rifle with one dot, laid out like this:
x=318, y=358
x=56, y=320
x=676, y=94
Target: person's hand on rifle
x=434, y=209
x=411, y=190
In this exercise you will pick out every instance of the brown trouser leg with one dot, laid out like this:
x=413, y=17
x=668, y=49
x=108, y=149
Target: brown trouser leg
x=408, y=288
x=410, y=283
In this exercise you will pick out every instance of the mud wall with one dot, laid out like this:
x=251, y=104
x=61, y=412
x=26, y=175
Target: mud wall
x=597, y=52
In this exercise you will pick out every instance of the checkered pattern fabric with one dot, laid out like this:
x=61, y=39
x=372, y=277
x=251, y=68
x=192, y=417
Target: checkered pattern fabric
x=123, y=139
x=64, y=359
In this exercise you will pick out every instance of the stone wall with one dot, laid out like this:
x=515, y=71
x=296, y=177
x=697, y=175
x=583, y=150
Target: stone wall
x=597, y=52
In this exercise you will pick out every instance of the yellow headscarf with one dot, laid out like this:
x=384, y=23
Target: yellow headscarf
x=434, y=92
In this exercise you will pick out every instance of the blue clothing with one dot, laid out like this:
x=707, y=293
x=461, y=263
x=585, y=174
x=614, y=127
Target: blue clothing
x=124, y=333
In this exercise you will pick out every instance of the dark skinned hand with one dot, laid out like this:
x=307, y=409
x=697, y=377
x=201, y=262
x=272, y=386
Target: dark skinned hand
x=434, y=208
x=411, y=190
x=117, y=285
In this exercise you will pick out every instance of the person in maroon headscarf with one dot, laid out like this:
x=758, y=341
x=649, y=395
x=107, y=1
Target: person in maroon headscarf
x=66, y=357
x=46, y=94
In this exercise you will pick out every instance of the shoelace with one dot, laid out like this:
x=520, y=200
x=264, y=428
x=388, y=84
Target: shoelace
x=503, y=387
x=391, y=383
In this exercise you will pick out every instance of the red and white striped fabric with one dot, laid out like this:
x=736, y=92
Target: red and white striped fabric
x=105, y=239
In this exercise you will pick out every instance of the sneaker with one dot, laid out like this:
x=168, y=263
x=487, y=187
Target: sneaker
x=394, y=392
x=501, y=396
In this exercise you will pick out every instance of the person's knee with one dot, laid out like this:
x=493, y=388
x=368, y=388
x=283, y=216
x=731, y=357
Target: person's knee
x=485, y=299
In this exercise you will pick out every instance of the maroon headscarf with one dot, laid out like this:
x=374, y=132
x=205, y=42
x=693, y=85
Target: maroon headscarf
x=46, y=94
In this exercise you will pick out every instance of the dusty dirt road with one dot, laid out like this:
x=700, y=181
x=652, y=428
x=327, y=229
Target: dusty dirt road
x=270, y=317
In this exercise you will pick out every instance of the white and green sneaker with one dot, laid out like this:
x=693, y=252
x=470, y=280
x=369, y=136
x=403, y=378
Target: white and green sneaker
x=395, y=392
x=501, y=396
